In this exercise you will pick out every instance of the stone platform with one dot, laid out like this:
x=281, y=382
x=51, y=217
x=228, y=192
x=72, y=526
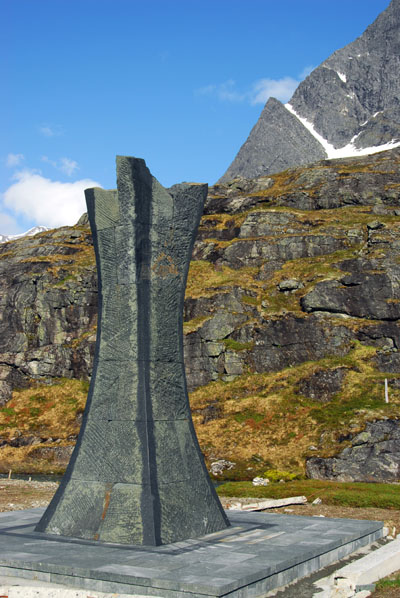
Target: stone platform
x=259, y=552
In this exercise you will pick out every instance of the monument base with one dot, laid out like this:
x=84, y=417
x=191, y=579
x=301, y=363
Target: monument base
x=259, y=552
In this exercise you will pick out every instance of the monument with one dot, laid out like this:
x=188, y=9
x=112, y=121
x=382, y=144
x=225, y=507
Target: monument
x=137, y=475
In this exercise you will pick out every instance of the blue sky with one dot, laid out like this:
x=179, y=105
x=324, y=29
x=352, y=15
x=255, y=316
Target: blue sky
x=179, y=83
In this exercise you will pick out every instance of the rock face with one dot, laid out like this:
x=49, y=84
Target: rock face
x=49, y=295
x=344, y=94
x=361, y=293
x=351, y=102
x=294, y=281
x=373, y=456
x=277, y=140
x=48, y=302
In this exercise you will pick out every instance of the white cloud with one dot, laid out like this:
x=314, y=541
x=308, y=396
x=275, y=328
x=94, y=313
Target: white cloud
x=306, y=71
x=14, y=159
x=224, y=91
x=50, y=130
x=227, y=92
x=260, y=90
x=46, y=131
x=281, y=89
x=9, y=225
x=48, y=161
x=65, y=165
x=206, y=90
x=68, y=166
x=46, y=202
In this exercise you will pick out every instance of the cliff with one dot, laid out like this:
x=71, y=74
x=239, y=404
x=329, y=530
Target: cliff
x=291, y=322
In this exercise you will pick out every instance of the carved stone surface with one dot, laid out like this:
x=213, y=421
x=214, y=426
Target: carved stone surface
x=137, y=475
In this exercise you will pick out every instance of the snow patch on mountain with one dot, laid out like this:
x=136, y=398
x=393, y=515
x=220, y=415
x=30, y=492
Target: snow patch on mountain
x=29, y=233
x=347, y=151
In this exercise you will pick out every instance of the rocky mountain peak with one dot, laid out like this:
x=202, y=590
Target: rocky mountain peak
x=349, y=105
x=29, y=233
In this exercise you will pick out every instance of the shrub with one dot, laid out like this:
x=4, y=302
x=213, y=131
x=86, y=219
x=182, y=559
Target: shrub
x=274, y=475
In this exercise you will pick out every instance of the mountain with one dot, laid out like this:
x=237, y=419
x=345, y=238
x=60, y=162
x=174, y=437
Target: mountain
x=349, y=105
x=291, y=325
x=29, y=233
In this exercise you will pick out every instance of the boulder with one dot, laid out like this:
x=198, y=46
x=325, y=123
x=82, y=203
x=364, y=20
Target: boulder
x=322, y=385
x=373, y=456
x=358, y=294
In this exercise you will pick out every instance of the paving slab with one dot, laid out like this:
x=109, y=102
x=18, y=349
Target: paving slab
x=259, y=552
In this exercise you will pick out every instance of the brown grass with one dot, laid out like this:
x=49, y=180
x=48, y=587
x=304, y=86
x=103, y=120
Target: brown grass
x=45, y=411
x=205, y=279
x=264, y=415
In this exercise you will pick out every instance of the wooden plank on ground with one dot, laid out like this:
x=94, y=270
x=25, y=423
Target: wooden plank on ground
x=270, y=503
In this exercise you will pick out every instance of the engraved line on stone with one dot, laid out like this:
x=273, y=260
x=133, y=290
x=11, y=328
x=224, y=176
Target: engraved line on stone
x=138, y=360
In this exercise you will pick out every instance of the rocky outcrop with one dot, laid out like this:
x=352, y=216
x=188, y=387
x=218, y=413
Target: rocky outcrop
x=48, y=302
x=369, y=290
x=49, y=296
x=364, y=181
x=350, y=102
x=373, y=456
x=322, y=385
x=291, y=275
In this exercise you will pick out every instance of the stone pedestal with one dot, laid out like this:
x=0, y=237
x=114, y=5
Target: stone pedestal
x=137, y=475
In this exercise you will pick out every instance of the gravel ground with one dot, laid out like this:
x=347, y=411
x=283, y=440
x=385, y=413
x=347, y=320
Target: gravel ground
x=16, y=495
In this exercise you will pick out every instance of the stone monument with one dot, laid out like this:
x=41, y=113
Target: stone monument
x=137, y=475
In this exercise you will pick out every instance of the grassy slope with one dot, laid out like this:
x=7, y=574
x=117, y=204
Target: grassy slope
x=48, y=412
x=382, y=496
x=265, y=423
